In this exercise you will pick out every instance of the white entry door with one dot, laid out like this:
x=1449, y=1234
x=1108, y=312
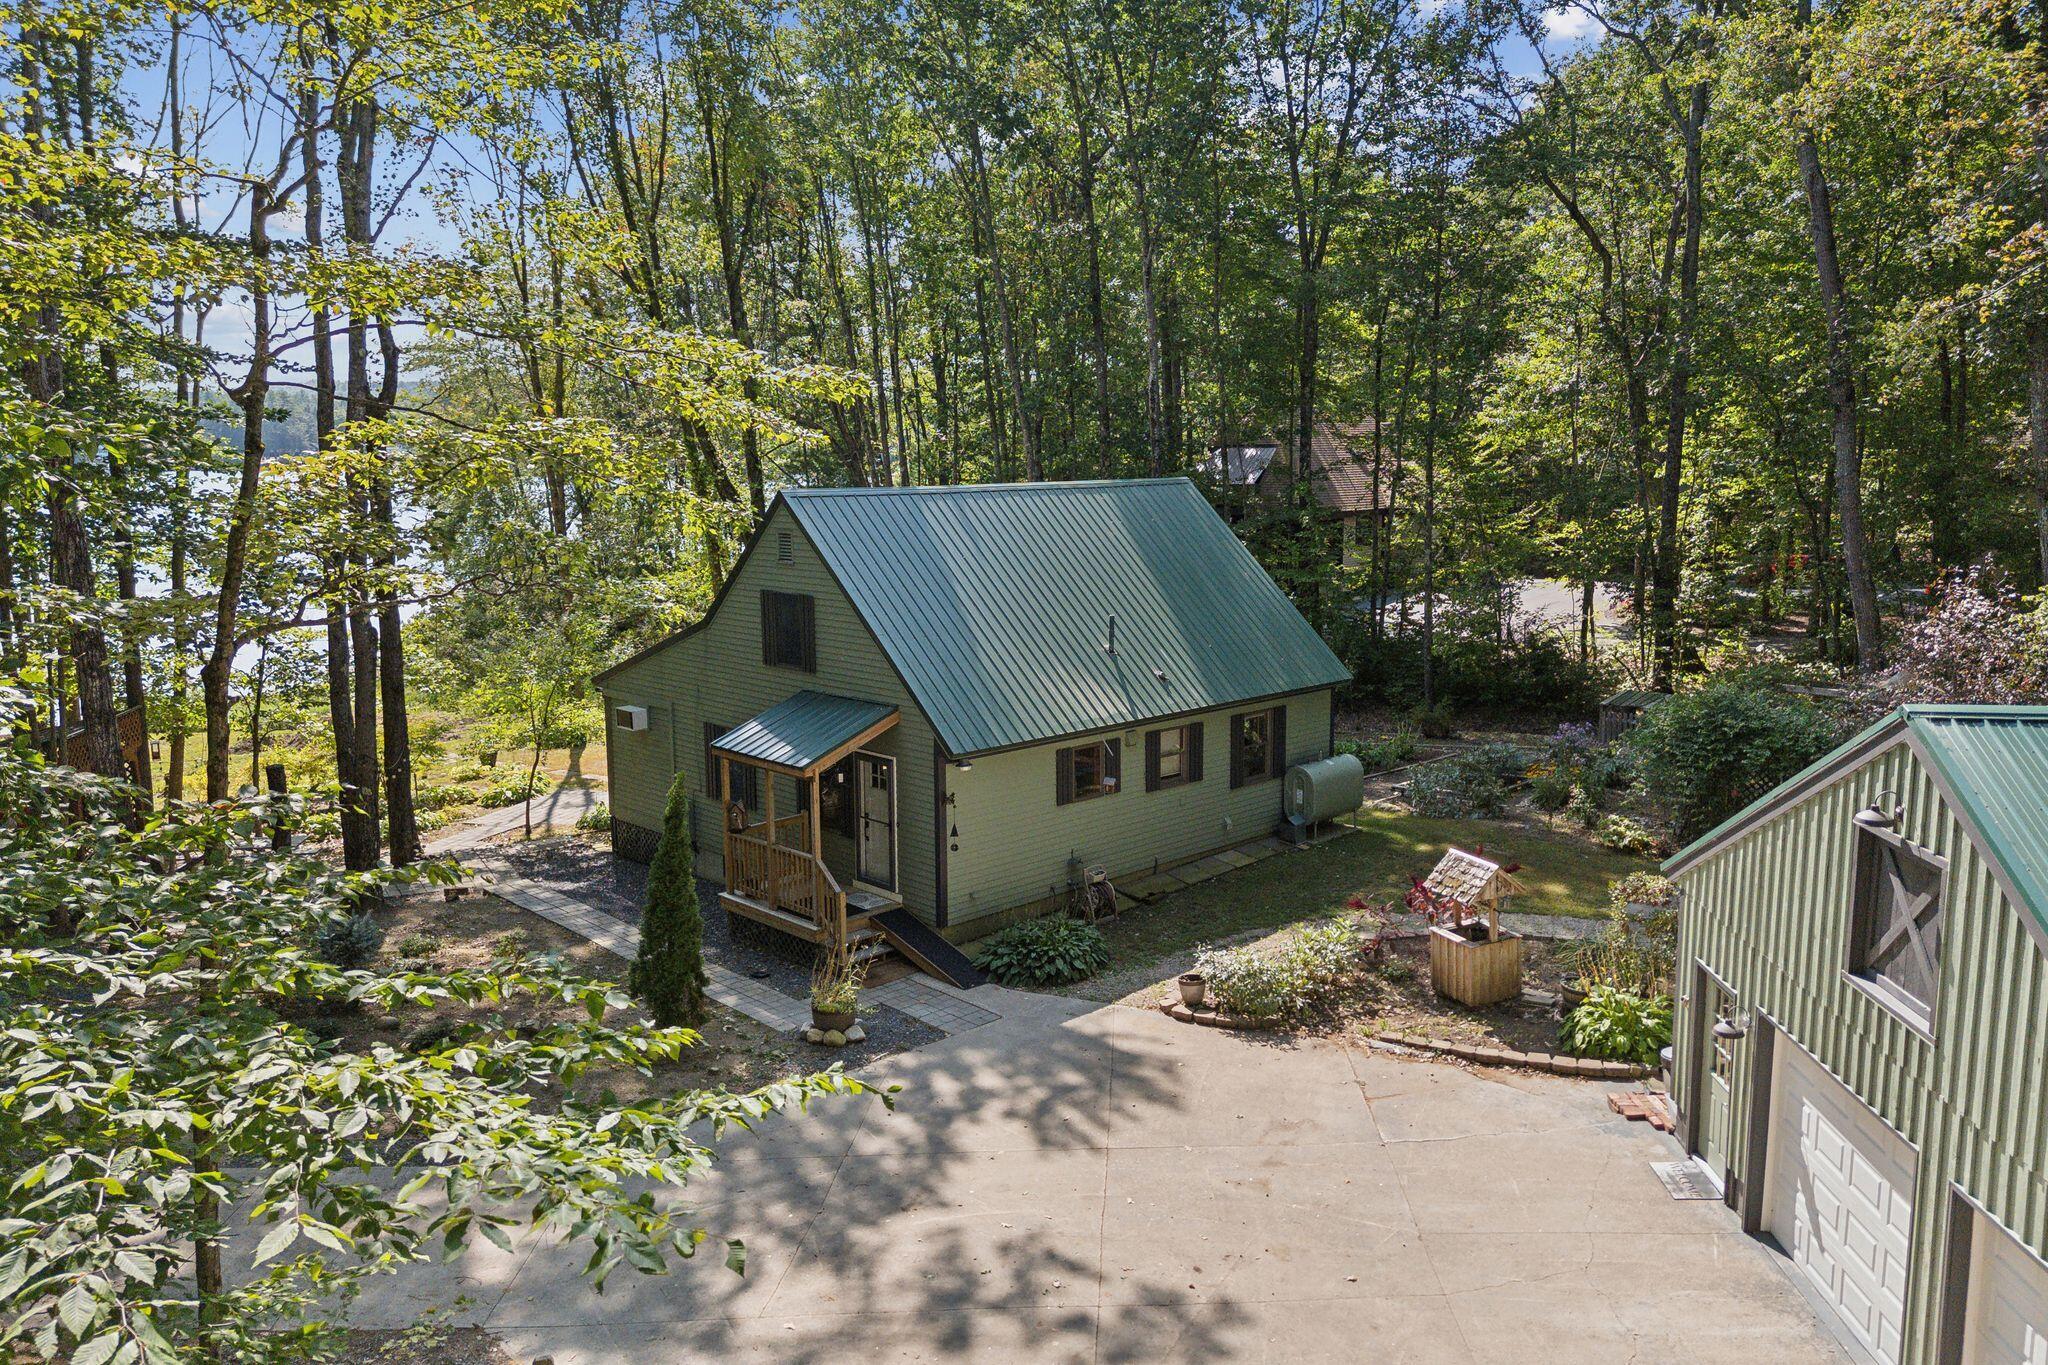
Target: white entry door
x=1839, y=1198
x=2006, y=1322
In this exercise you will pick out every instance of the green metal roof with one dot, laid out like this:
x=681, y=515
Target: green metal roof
x=799, y=732
x=1992, y=760
x=995, y=602
x=1635, y=699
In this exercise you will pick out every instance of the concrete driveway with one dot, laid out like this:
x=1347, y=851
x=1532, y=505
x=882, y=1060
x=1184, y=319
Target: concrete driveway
x=1084, y=1183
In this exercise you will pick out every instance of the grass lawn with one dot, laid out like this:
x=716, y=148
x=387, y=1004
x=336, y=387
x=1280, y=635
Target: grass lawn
x=1566, y=873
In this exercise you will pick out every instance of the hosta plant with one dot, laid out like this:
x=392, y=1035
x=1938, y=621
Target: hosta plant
x=1617, y=1026
x=1045, y=952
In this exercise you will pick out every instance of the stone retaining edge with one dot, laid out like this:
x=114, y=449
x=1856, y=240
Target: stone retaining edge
x=1588, y=1068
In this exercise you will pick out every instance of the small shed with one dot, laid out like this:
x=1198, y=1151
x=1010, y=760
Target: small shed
x=1623, y=711
x=1471, y=959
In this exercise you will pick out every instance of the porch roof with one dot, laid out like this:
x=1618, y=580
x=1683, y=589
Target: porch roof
x=809, y=731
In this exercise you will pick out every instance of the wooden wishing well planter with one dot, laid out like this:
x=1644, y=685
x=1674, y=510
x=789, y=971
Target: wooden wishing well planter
x=1472, y=960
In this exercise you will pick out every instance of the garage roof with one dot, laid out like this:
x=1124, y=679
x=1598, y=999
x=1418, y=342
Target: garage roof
x=1992, y=763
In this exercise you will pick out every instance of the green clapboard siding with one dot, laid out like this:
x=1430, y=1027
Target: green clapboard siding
x=715, y=675
x=1767, y=910
x=1016, y=840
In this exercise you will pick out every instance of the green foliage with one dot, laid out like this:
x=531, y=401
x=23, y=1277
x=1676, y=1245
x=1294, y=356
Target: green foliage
x=1703, y=755
x=1641, y=888
x=1433, y=721
x=836, y=984
x=596, y=820
x=668, y=975
x=507, y=790
x=1381, y=752
x=1625, y=835
x=1475, y=783
x=1044, y=952
x=1635, y=956
x=159, y=1101
x=1287, y=981
x=1617, y=1026
x=438, y=797
x=351, y=940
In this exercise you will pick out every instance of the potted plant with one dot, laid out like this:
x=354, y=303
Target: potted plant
x=835, y=994
x=1194, y=988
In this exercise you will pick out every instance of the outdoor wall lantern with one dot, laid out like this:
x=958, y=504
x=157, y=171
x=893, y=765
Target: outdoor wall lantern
x=1733, y=1026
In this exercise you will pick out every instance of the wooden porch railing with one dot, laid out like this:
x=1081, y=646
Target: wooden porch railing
x=786, y=877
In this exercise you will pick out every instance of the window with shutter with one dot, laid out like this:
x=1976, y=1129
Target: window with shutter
x=789, y=631
x=1087, y=771
x=1257, y=745
x=1173, y=757
x=1896, y=921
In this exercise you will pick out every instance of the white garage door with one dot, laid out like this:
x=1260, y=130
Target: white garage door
x=2007, y=1319
x=1840, y=1198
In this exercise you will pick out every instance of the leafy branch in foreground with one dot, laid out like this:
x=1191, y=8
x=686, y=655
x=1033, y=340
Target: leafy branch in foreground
x=187, y=1173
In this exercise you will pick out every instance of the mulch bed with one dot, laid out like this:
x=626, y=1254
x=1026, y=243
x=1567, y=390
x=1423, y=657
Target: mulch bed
x=424, y=1346
x=431, y=933
x=585, y=868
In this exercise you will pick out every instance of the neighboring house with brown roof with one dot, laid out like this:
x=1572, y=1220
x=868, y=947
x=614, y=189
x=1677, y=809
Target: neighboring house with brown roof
x=1339, y=468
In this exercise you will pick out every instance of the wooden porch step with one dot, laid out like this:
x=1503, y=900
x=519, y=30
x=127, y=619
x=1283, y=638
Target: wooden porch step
x=927, y=951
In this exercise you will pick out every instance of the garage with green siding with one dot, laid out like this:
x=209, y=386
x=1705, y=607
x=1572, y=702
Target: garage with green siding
x=1074, y=676
x=1861, y=1038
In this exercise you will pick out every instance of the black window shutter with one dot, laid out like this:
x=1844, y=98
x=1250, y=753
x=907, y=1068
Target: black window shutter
x=1152, y=760
x=770, y=618
x=1063, y=777
x=1276, y=750
x=807, y=625
x=1191, y=752
x=1236, y=751
x=1112, y=765
x=711, y=783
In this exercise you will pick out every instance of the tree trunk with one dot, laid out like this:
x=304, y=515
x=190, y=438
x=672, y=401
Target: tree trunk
x=1841, y=390
x=1664, y=588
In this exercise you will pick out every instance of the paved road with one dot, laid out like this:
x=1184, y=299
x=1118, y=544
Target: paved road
x=1083, y=1183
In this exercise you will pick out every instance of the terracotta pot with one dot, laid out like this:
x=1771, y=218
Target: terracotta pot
x=828, y=1020
x=1194, y=988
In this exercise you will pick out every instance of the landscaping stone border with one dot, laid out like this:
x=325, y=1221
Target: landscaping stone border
x=1173, y=1008
x=1557, y=1064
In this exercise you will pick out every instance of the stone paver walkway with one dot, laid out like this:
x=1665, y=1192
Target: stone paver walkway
x=1080, y=1184
x=562, y=806
x=932, y=1002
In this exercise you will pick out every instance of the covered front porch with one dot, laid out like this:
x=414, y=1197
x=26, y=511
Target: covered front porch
x=810, y=836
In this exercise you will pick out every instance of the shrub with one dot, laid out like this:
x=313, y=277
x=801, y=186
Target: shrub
x=1285, y=982
x=1045, y=952
x=349, y=941
x=1641, y=888
x=1618, y=1026
x=1583, y=807
x=1635, y=957
x=438, y=797
x=1390, y=750
x=417, y=945
x=1627, y=836
x=1434, y=721
x=1704, y=755
x=1474, y=783
x=1550, y=787
x=668, y=974
x=596, y=820
x=504, y=791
